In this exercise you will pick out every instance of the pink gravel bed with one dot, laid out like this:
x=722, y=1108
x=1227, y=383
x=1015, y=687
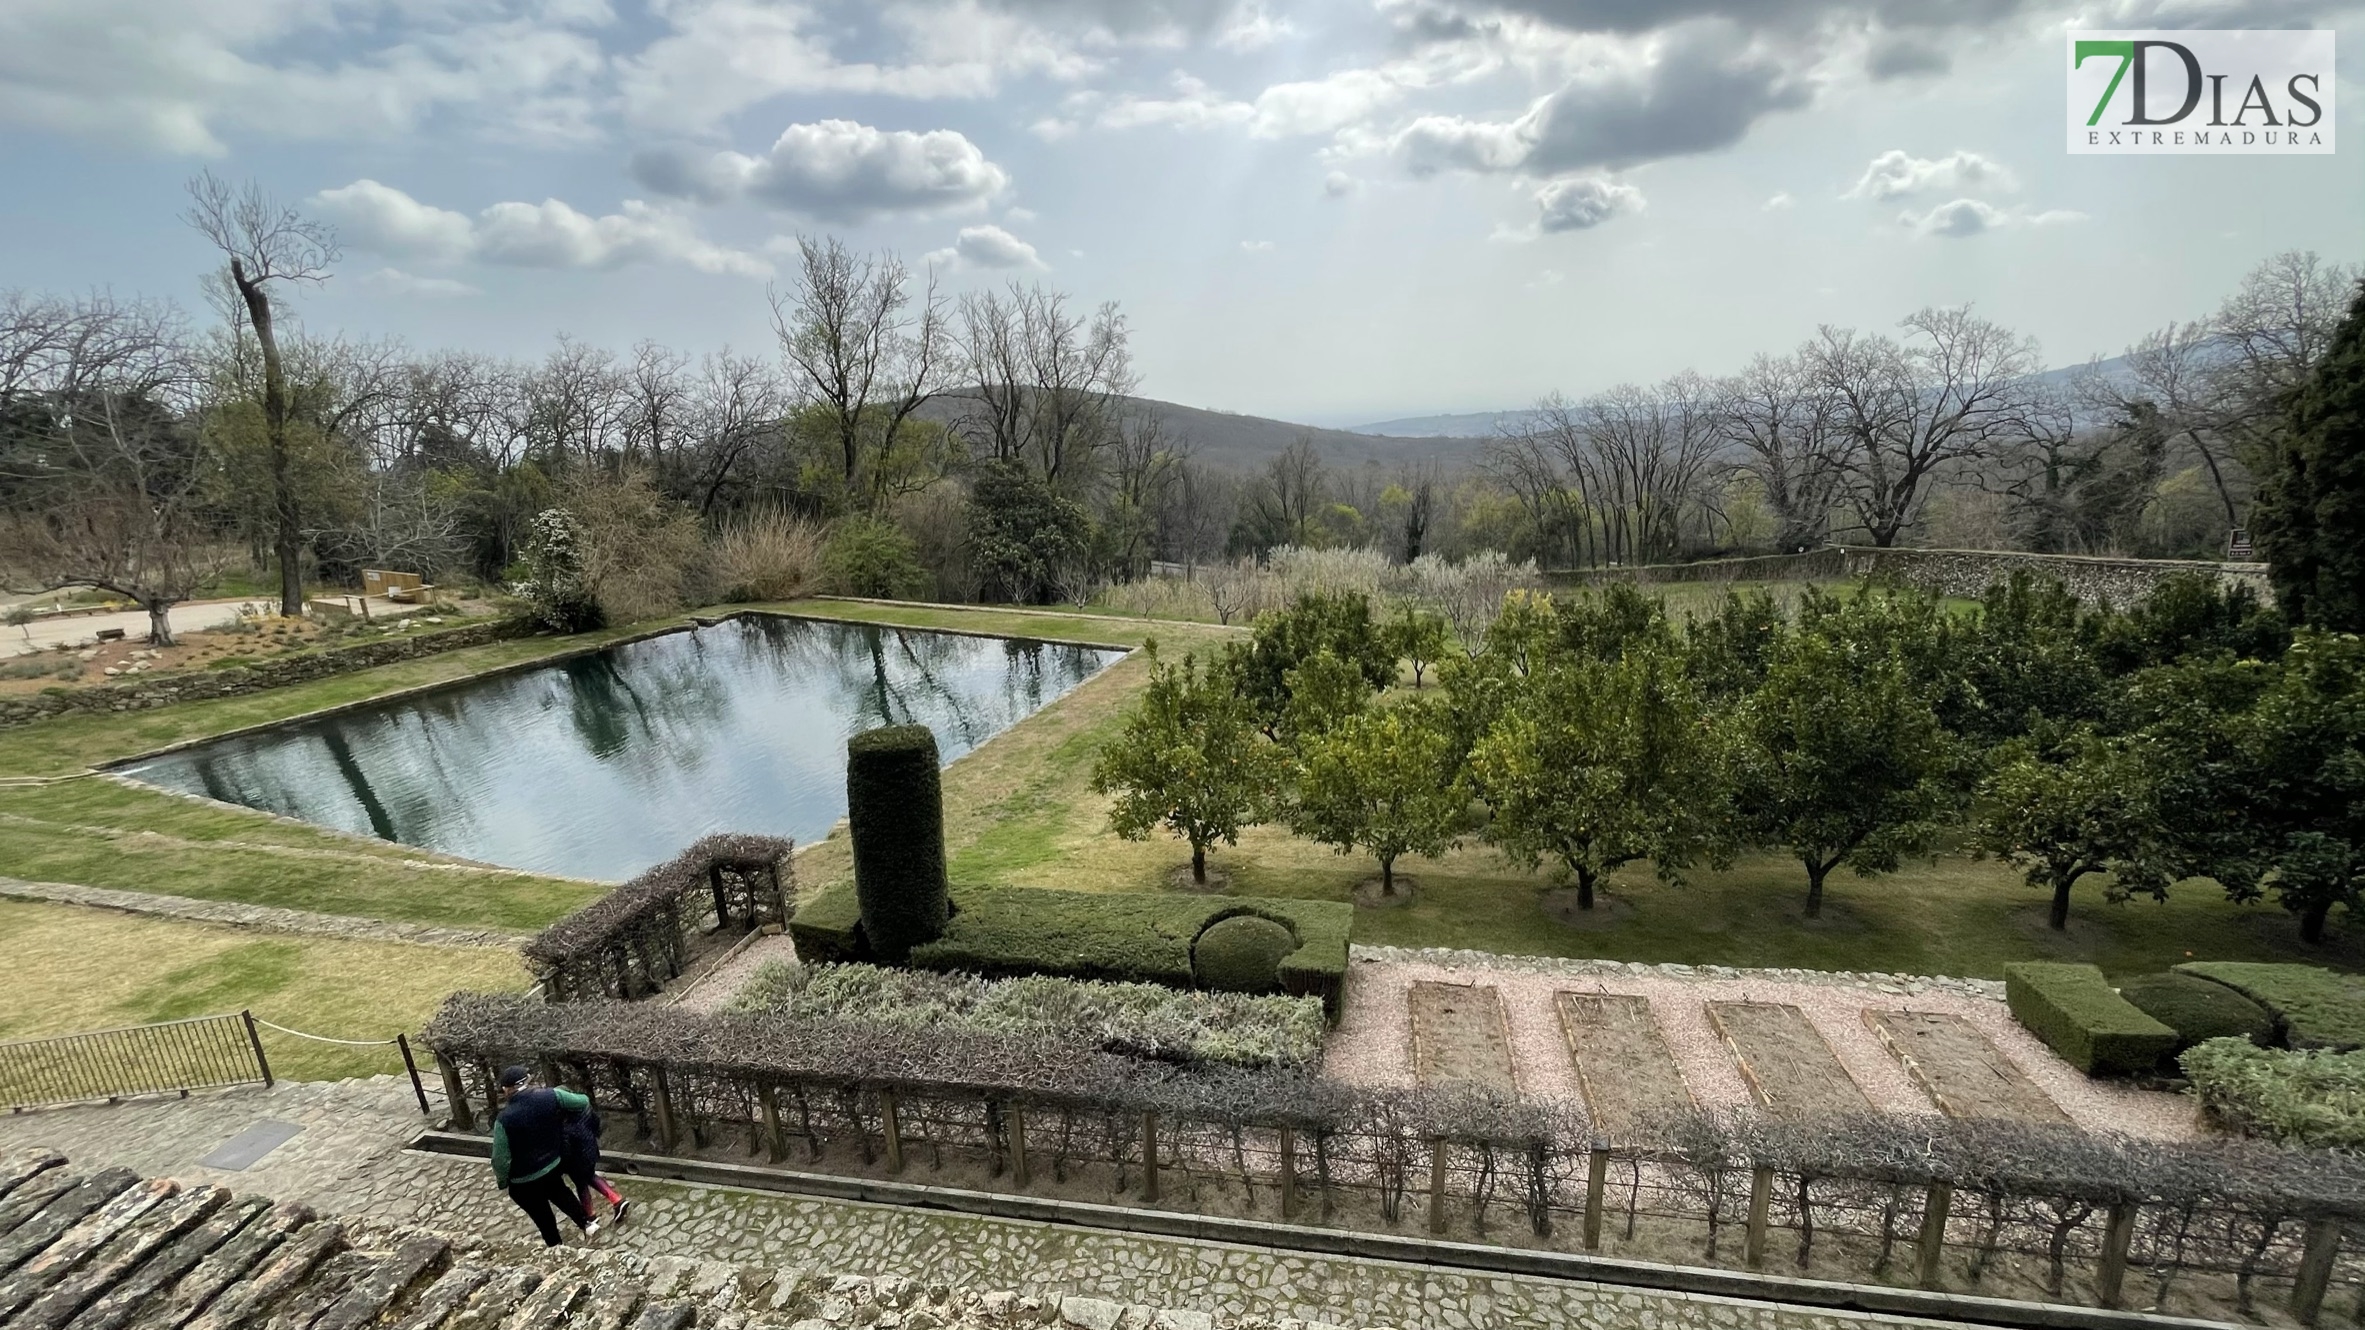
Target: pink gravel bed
x=1373, y=1042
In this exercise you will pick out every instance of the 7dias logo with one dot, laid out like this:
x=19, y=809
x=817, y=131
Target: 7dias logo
x=2166, y=93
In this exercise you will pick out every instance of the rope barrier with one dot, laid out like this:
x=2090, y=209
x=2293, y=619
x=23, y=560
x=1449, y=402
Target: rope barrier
x=349, y=1043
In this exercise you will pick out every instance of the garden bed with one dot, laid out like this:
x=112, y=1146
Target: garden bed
x=1628, y=1077
x=1963, y=1073
x=1459, y=1036
x=1787, y=1064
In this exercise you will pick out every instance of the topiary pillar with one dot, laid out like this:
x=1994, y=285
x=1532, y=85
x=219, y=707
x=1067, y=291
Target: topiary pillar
x=895, y=812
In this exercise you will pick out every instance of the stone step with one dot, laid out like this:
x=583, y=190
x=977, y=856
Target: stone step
x=49, y=1263
x=121, y=1257
x=115, y=1308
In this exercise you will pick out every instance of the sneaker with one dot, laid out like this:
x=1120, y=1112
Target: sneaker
x=591, y=1234
x=620, y=1211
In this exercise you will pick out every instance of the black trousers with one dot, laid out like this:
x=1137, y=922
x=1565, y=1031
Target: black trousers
x=538, y=1196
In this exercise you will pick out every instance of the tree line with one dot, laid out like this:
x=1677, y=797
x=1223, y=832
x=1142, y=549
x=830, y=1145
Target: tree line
x=899, y=440
x=2193, y=735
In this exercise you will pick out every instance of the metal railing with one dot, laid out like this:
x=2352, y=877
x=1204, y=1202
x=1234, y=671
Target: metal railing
x=199, y=1053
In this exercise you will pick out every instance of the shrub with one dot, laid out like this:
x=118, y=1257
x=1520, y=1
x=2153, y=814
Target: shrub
x=895, y=815
x=1135, y=1020
x=2312, y=1007
x=554, y=587
x=865, y=556
x=2198, y=1010
x=634, y=938
x=1010, y=931
x=644, y=556
x=1241, y=953
x=767, y=556
x=2313, y=1097
x=2073, y=1009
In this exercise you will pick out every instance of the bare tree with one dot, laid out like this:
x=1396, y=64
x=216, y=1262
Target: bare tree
x=102, y=475
x=1777, y=414
x=1953, y=390
x=737, y=403
x=863, y=350
x=1046, y=383
x=266, y=243
x=1197, y=515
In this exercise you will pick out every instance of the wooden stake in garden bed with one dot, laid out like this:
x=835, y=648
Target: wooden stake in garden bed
x=1930, y=1247
x=1761, y=1202
x=1149, y=1157
x=1597, y=1171
x=1018, y=1168
x=1288, y=1173
x=892, y=1129
x=1437, y=1185
x=775, y=1144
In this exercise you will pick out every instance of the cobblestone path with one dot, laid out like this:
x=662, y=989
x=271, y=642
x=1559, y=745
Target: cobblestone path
x=349, y=1159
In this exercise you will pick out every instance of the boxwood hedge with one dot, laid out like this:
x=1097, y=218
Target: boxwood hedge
x=1135, y=937
x=2315, y=1008
x=2313, y=1097
x=2198, y=1010
x=2076, y=1012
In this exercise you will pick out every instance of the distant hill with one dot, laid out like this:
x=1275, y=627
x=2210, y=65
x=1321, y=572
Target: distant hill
x=1467, y=425
x=1237, y=442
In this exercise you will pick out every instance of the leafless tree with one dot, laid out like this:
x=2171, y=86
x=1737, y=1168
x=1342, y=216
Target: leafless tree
x=267, y=243
x=1951, y=391
x=577, y=403
x=1046, y=382
x=102, y=474
x=1197, y=515
x=657, y=413
x=866, y=354
x=1145, y=463
x=737, y=403
x=1774, y=411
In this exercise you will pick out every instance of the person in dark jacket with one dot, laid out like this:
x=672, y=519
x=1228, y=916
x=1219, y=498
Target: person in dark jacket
x=581, y=1165
x=529, y=1150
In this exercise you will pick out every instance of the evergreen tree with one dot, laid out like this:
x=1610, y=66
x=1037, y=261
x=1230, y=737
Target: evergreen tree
x=2309, y=518
x=1189, y=759
x=1385, y=780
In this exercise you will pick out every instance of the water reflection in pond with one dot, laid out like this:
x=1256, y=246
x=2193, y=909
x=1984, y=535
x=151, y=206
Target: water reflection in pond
x=602, y=765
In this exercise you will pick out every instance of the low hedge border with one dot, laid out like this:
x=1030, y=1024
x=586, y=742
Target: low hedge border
x=1150, y=1021
x=629, y=942
x=2077, y=1014
x=1002, y=932
x=2198, y=1010
x=2312, y=1098
x=2312, y=1007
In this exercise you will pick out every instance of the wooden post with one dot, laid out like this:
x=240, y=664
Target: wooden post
x=1149, y=1156
x=775, y=1144
x=2315, y=1270
x=1018, y=1171
x=1288, y=1172
x=1597, y=1172
x=254, y=1040
x=893, y=1130
x=665, y=1132
x=2117, y=1234
x=1437, y=1187
x=1930, y=1247
x=455, y=1094
x=411, y=1065
x=1761, y=1200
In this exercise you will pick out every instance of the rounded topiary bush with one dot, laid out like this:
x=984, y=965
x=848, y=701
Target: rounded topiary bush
x=1241, y=953
x=2197, y=1009
x=895, y=814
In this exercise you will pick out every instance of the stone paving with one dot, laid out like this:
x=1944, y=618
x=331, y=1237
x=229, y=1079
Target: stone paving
x=349, y=1160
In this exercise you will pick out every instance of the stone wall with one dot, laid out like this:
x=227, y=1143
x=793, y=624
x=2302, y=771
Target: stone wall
x=1966, y=573
x=201, y=685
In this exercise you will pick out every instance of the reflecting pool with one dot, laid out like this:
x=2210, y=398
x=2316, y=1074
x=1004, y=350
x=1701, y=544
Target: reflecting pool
x=602, y=765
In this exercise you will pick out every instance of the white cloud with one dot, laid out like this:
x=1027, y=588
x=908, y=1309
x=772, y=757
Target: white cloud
x=1583, y=203
x=1256, y=246
x=1896, y=174
x=1961, y=219
x=1781, y=202
x=1338, y=185
x=986, y=247
x=549, y=234
x=183, y=78
x=839, y=170
x=394, y=281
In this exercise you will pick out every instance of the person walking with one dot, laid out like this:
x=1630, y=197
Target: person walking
x=529, y=1149
x=581, y=1160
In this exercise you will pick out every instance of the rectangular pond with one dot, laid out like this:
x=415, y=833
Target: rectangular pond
x=602, y=765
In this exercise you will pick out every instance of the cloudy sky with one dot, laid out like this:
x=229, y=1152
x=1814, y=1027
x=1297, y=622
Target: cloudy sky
x=1327, y=210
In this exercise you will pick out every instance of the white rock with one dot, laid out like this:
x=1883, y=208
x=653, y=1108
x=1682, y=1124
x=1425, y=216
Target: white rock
x=1171, y=1319
x=1090, y=1313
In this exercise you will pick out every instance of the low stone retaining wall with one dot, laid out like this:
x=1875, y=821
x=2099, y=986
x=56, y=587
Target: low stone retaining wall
x=1965, y=573
x=201, y=685
x=264, y=918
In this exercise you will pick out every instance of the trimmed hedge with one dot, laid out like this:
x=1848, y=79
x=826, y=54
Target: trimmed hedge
x=2315, y=1008
x=628, y=943
x=895, y=814
x=1241, y=953
x=2312, y=1098
x=1002, y=932
x=1132, y=1020
x=2198, y=1010
x=2077, y=1014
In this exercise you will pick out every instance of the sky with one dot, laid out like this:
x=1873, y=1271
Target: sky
x=1331, y=211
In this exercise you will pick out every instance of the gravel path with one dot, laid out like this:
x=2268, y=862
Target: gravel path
x=1372, y=1043
x=716, y=989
